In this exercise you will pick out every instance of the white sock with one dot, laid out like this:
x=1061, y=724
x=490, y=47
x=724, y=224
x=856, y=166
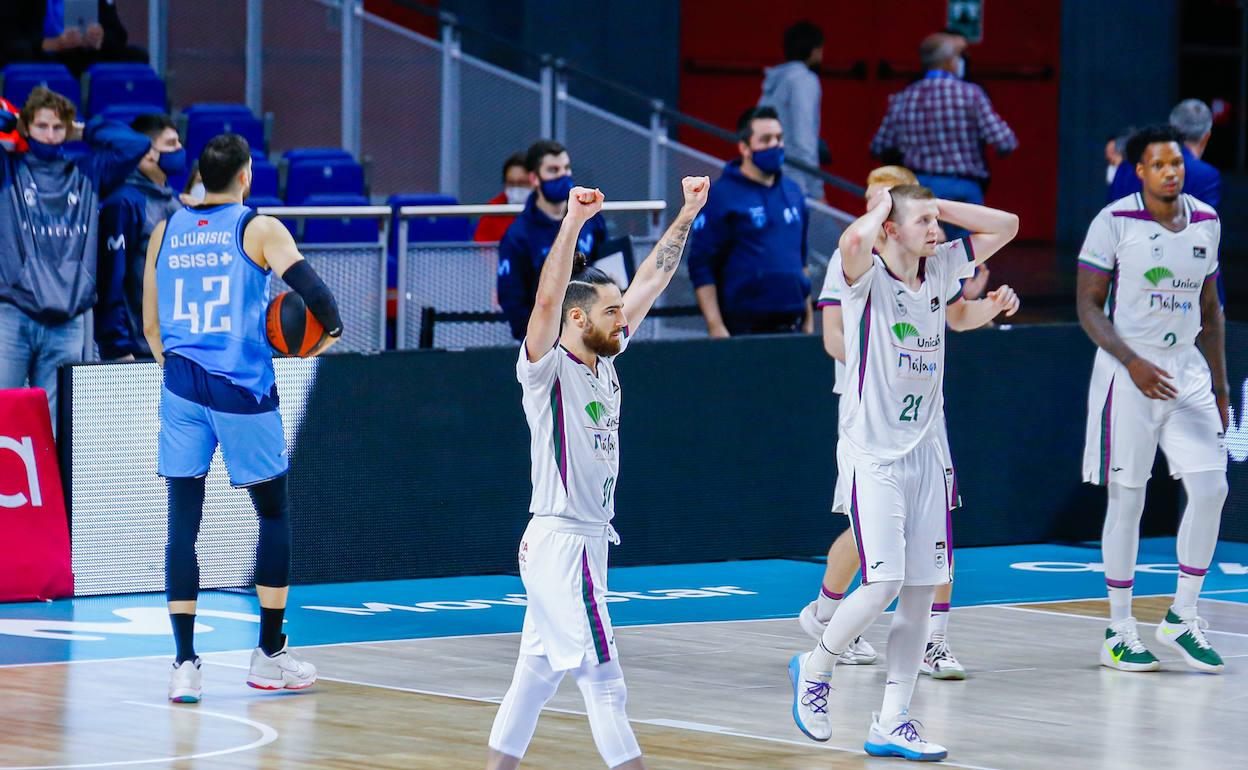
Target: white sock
x=1120, y=543
x=532, y=685
x=1198, y=535
x=825, y=606
x=907, y=637
x=856, y=613
x=602, y=687
x=938, y=623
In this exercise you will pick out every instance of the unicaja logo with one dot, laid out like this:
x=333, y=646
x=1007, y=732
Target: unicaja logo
x=904, y=330
x=1157, y=275
x=24, y=449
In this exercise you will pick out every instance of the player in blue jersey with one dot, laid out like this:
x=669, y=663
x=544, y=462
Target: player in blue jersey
x=205, y=292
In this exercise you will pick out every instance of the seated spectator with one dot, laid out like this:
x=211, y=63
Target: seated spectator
x=523, y=248
x=47, y=243
x=748, y=259
x=21, y=30
x=516, y=189
x=78, y=49
x=127, y=219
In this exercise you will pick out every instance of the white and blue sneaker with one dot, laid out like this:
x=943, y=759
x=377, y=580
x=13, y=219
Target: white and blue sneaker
x=281, y=671
x=810, y=698
x=900, y=738
x=186, y=683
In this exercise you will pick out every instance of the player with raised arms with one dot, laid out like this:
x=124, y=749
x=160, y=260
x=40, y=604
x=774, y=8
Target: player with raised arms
x=205, y=293
x=1147, y=296
x=571, y=398
x=890, y=460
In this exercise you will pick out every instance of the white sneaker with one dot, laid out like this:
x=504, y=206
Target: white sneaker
x=283, y=671
x=860, y=653
x=186, y=684
x=939, y=663
x=900, y=738
x=810, y=698
x=1185, y=634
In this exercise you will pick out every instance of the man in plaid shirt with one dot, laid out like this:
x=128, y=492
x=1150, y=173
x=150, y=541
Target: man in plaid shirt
x=940, y=125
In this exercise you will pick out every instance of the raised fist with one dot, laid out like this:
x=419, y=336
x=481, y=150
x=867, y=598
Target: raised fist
x=584, y=202
x=695, y=188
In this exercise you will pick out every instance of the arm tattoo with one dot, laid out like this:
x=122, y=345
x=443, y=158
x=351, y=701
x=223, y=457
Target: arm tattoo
x=667, y=254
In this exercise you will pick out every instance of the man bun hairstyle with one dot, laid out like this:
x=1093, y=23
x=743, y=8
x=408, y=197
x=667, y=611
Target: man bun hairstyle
x=908, y=192
x=1160, y=133
x=582, y=289
x=221, y=160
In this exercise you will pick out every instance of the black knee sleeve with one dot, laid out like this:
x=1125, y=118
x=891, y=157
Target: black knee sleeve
x=186, y=508
x=272, y=503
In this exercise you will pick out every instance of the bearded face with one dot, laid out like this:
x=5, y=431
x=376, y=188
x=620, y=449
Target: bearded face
x=600, y=340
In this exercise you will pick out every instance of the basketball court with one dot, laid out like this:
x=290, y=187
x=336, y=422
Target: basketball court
x=412, y=672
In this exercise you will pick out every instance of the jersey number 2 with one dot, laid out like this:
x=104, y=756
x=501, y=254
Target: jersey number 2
x=910, y=412
x=189, y=311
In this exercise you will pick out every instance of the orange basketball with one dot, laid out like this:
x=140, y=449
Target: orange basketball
x=291, y=327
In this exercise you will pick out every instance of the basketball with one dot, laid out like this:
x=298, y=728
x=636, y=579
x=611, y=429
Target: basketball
x=291, y=327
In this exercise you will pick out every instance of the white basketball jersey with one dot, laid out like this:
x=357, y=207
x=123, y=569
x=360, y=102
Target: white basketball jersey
x=574, y=422
x=830, y=296
x=895, y=353
x=1156, y=275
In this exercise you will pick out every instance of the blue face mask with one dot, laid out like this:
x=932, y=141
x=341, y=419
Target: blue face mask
x=769, y=160
x=173, y=163
x=43, y=151
x=556, y=190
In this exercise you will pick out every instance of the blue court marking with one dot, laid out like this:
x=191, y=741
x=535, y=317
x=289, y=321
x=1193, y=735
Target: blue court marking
x=137, y=624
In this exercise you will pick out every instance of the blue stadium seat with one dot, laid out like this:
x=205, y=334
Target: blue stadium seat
x=201, y=127
x=429, y=229
x=126, y=85
x=116, y=68
x=315, y=153
x=312, y=177
x=263, y=177
x=126, y=113
x=257, y=201
x=213, y=108
x=21, y=79
x=339, y=230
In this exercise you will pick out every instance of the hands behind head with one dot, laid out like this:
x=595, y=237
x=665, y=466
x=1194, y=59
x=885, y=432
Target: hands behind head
x=584, y=203
x=1004, y=299
x=695, y=189
x=882, y=198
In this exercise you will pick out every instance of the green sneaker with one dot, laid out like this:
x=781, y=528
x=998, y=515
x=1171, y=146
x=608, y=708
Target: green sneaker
x=1123, y=649
x=1186, y=636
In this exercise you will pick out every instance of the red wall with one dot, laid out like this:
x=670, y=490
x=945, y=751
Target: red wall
x=1019, y=35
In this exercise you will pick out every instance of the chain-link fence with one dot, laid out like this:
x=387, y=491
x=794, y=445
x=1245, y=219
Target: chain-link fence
x=356, y=274
x=500, y=114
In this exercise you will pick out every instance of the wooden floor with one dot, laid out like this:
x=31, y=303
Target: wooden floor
x=708, y=695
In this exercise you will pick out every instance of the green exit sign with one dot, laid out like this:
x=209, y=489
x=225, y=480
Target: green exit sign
x=967, y=18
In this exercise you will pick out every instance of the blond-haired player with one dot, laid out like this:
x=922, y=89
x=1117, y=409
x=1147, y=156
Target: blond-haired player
x=890, y=458
x=566, y=368
x=843, y=563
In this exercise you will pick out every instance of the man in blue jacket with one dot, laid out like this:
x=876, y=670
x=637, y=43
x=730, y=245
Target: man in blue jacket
x=127, y=218
x=49, y=212
x=748, y=259
x=523, y=249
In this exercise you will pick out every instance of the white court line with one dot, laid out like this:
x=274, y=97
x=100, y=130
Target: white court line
x=669, y=723
x=618, y=627
x=1102, y=620
x=267, y=736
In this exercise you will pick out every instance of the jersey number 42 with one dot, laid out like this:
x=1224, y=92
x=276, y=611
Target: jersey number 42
x=218, y=285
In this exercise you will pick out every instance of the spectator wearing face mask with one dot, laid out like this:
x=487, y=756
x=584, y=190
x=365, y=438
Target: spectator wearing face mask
x=523, y=248
x=49, y=215
x=127, y=218
x=940, y=125
x=516, y=189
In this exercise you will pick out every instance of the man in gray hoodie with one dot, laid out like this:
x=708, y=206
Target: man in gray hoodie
x=793, y=89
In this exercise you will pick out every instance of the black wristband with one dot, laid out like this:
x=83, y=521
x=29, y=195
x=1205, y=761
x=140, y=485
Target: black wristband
x=316, y=295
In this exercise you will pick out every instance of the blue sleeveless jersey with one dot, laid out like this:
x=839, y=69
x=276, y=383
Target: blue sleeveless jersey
x=212, y=298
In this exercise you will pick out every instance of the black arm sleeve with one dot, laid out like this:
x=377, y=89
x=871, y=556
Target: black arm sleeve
x=316, y=295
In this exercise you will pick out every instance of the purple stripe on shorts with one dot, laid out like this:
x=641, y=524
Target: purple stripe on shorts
x=944, y=607
x=601, y=648
x=853, y=514
x=830, y=594
x=1119, y=583
x=1186, y=570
